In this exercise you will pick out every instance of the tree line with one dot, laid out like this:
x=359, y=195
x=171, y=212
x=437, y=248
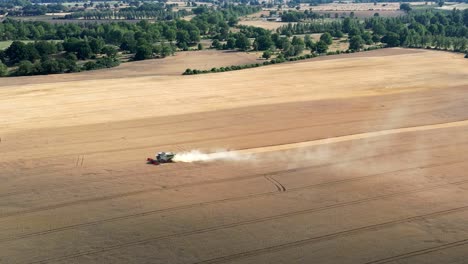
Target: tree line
x=90, y=45
x=158, y=11
x=264, y=40
x=127, y=14
x=441, y=30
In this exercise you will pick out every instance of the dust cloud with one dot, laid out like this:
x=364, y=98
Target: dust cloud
x=199, y=156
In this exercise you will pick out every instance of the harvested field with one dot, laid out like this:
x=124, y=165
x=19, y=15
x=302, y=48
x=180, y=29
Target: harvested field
x=451, y=6
x=257, y=15
x=357, y=158
x=270, y=25
x=363, y=14
x=354, y=7
x=341, y=44
x=173, y=65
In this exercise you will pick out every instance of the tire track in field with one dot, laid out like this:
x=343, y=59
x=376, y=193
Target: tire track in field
x=420, y=252
x=275, y=217
x=253, y=176
x=333, y=140
x=390, y=153
x=348, y=232
x=277, y=184
x=240, y=198
x=208, y=139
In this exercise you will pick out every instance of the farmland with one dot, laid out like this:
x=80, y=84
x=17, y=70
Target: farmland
x=355, y=158
x=262, y=23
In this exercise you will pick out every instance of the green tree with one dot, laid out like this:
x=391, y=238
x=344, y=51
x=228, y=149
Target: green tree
x=167, y=50
x=200, y=46
x=170, y=34
x=109, y=51
x=25, y=68
x=129, y=44
x=356, y=43
x=194, y=36
x=51, y=66
x=338, y=34
x=378, y=29
x=182, y=38
x=308, y=42
x=367, y=37
x=327, y=38
x=96, y=45
x=391, y=39
x=90, y=65
x=297, y=41
x=242, y=42
x=231, y=43
x=216, y=44
x=84, y=51
x=3, y=70
x=143, y=52
x=263, y=42
x=18, y=51
x=321, y=47
x=45, y=47
x=405, y=7
x=266, y=54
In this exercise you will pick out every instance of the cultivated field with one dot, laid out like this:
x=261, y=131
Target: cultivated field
x=361, y=10
x=270, y=25
x=363, y=14
x=354, y=7
x=451, y=6
x=172, y=65
x=357, y=158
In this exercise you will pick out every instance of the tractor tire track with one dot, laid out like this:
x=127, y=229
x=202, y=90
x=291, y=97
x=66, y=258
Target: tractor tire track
x=420, y=252
x=189, y=206
x=348, y=232
x=149, y=190
x=233, y=199
x=390, y=153
x=313, y=142
x=359, y=136
x=248, y=134
x=278, y=185
x=275, y=217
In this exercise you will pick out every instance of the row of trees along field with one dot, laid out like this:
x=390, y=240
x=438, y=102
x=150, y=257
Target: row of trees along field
x=91, y=45
x=441, y=30
x=317, y=2
x=158, y=11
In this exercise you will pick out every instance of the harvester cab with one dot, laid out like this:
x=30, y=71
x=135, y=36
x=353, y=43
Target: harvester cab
x=164, y=157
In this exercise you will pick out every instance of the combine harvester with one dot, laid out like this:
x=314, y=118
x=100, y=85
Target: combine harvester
x=161, y=157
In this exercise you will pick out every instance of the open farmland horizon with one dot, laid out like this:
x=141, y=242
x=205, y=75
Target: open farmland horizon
x=353, y=158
